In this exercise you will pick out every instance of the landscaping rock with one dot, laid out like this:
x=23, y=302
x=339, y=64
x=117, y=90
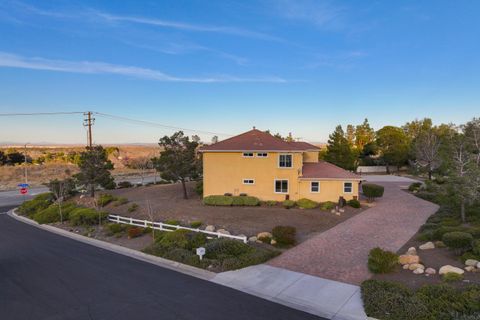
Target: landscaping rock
x=273, y=242
x=406, y=266
x=430, y=271
x=252, y=239
x=448, y=268
x=337, y=213
x=415, y=266
x=471, y=262
x=223, y=231
x=419, y=271
x=341, y=210
x=210, y=228
x=412, y=251
x=478, y=265
x=408, y=259
x=264, y=235
x=469, y=268
x=427, y=246
x=439, y=244
x=333, y=211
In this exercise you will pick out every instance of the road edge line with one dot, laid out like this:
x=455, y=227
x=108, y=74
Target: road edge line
x=135, y=254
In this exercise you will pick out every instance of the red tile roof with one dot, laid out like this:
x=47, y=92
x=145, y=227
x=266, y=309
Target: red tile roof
x=256, y=140
x=325, y=170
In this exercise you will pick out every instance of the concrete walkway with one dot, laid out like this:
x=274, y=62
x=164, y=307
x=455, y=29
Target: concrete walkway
x=341, y=253
x=321, y=297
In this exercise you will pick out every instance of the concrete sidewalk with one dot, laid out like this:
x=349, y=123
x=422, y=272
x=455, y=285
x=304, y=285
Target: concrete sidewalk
x=322, y=297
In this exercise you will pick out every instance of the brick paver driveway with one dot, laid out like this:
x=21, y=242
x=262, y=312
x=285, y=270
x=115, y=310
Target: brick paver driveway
x=341, y=252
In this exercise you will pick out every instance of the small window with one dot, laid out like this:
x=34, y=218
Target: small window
x=262, y=155
x=281, y=186
x=248, y=154
x=285, y=161
x=347, y=187
x=315, y=186
x=248, y=181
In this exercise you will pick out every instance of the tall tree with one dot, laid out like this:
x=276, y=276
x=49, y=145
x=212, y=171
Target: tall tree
x=364, y=134
x=214, y=139
x=95, y=169
x=414, y=128
x=394, y=146
x=472, y=134
x=350, y=134
x=339, y=151
x=178, y=160
x=427, y=150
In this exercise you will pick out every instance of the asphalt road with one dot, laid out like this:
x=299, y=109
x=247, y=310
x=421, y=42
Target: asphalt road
x=47, y=276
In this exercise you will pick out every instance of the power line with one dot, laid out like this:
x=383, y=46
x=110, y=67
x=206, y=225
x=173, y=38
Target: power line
x=39, y=113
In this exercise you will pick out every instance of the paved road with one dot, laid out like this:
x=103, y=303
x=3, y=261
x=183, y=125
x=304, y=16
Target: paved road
x=46, y=276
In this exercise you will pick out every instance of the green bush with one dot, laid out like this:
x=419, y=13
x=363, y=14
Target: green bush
x=120, y=201
x=124, y=184
x=327, y=206
x=305, y=203
x=438, y=233
x=52, y=213
x=199, y=188
x=250, y=201
x=86, y=216
x=284, y=235
x=476, y=247
x=475, y=232
x=414, y=186
x=287, y=204
x=380, y=261
x=237, y=201
x=219, y=248
x=173, y=222
x=452, y=276
x=270, y=203
x=132, y=208
x=372, y=191
x=105, y=198
x=354, y=203
x=115, y=228
x=196, y=224
x=182, y=239
x=38, y=203
x=253, y=257
x=218, y=200
x=460, y=241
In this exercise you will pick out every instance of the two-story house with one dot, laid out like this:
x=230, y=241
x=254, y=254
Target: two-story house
x=261, y=165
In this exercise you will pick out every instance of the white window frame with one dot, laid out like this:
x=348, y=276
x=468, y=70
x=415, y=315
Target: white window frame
x=285, y=154
x=247, y=183
x=351, y=187
x=311, y=185
x=248, y=155
x=275, y=186
x=262, y=154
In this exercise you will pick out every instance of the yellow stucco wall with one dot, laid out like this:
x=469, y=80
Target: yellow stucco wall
x=310, y=156
x=224, y=172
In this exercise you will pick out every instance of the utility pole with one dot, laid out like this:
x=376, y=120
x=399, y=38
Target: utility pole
x=25, y=163
x=88, y=122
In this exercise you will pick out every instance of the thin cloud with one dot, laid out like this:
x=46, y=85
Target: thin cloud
x=86, y=67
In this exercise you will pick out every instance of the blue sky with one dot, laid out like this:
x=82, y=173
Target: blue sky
x=225, y=66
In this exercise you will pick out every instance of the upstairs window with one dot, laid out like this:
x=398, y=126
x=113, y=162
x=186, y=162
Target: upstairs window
x=262, y=155
x=347, y=187
x=248, y=181
x=248, y=154
x=315, y=186
x=281, y=186
x=285, y=161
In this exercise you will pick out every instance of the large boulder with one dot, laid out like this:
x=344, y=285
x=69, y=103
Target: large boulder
x=471, y=262
x=415, y=266
x=264, y=235
x=448, y=268
x=210, y=228
x=223, y=231
x=426, y=246
x=430, y=271
x=252, y=239
x=408, y=259
x=418, y=271
x=412, y=251
x=469, y=268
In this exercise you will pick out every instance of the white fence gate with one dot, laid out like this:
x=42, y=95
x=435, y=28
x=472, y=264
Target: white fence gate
x=168, y=227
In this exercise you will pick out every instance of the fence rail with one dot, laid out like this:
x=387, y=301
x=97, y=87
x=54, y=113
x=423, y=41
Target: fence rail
x=168, y=227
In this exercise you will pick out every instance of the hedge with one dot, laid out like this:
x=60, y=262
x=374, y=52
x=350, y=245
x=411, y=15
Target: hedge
x=38, y=203
x=305, y=203
x=86, y=216
x=460, y=241
x=105, y=199
x=415, y=186
x=52, y=213
x=287, y=204
x=326, y=206
x=381, y=261
x=372, y=191
x=218, y=200
x=354, y=203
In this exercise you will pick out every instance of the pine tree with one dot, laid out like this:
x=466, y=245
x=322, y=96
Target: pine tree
x=339, y=151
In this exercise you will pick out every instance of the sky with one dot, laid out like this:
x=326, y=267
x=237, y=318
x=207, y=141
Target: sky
x=222, y=67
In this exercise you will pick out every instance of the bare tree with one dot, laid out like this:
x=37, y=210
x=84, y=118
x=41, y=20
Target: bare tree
x=151, y=217
x=427, y=147
x=61, y=189
x=143, y=164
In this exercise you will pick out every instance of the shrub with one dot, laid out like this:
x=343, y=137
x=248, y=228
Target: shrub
x=134, y=232
x=182, y=239
x=105, y=199
x=253, y=257
x=380, y=261
x=237, y=201
x=287, y=204
x=250, y=201
x=327, y=206
x=284, y=235
x=218, y=200
x=219, y=248
x=173, y=222
x=115, y=228
x=133, y=207
x=354, y=203
x=86, y=216
x=196, y=224
x=270, y=203
x=469, y=255
x=305, y=203
x=452, y=276
x=38, y=203
x=414, y=186
x=438, y=233
x=124, y=184
x=52, y=213
x=475, y=232
x=372, y=191
x=476, y=247
x=460, y=241
x=199, y=187
x=120, y=201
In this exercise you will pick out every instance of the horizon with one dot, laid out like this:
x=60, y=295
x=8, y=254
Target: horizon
x=223, y=67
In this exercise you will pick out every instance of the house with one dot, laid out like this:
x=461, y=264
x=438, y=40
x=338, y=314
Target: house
x=261, y=165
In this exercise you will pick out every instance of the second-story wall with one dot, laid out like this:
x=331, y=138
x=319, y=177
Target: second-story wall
x=310, y=156
x=224, y=172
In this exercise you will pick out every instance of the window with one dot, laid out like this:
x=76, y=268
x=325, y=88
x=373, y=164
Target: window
x=281, y=186
x=315, y=186
x=285, y=161
x=262, y=155
x=347, y=187
x=248, y=154
x=248, y=181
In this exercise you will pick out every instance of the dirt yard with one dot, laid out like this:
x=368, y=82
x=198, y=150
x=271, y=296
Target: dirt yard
x=167, y=203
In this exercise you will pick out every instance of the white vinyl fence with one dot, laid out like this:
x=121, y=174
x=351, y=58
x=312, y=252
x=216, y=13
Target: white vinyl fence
x=168, y=227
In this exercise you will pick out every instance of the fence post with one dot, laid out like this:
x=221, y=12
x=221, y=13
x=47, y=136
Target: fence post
x=145, y=223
